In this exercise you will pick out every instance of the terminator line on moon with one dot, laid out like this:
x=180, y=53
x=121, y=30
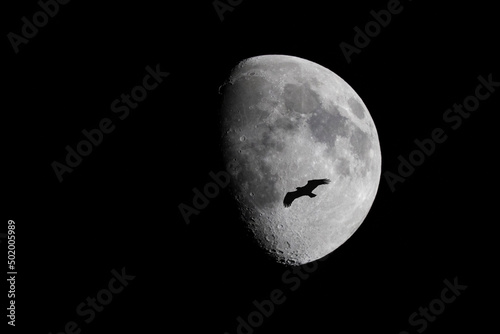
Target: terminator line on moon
x=286, y=120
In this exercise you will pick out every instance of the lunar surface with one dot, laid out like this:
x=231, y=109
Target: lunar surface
x=286, y=120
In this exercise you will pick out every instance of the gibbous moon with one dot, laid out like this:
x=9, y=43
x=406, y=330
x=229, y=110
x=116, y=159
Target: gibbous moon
x=286, y=121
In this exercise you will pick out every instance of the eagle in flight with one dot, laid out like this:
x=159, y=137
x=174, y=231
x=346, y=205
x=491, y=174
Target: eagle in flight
x=303, y=191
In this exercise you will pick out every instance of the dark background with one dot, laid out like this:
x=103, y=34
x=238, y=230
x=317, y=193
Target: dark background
x=119, y=208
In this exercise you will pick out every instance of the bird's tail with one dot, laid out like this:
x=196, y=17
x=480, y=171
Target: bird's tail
x=312, y=195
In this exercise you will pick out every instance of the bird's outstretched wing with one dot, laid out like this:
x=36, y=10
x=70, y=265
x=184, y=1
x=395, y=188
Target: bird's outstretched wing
x=289, y=198
x=312, y=184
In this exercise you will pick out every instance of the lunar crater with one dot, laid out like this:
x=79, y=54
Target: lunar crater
x=356, y=108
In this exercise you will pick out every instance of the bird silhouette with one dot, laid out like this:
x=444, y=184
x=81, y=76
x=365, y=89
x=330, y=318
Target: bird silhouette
x=303, y=191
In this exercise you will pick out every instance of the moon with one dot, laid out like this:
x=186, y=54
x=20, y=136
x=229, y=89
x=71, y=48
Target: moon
x=284, y=121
